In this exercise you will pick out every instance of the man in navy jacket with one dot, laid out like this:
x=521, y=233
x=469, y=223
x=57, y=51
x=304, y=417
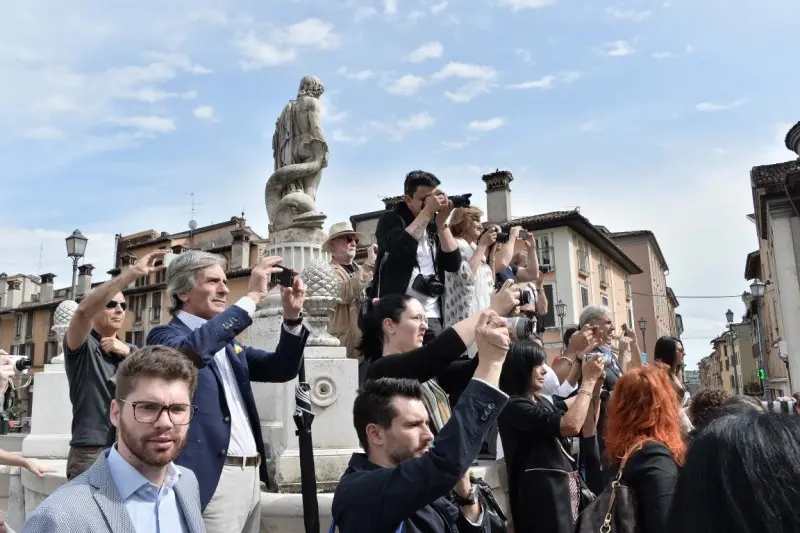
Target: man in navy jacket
x=224, y=447
x=404, y=476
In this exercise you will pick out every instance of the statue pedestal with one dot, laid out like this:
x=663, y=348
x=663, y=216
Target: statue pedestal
x=51, y=417
x=333, y=379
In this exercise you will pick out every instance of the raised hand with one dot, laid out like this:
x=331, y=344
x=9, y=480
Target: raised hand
x=293, y=298
x=372, y=254
x=115, y=346
x=260, y=275
x=147, y=265
x=492, y=337
x=504, y=301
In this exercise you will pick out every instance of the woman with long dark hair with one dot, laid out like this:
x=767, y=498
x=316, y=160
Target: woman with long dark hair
x=742, y=475
x=643, y=437
x=669, y=351
x=543, y=481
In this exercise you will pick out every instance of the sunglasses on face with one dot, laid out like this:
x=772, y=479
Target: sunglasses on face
x=350, y=238
x=113, y=305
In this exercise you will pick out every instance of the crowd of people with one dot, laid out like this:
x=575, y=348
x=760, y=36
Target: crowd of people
x=444, y=318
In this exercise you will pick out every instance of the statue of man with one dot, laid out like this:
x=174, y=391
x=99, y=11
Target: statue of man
x=300, y=152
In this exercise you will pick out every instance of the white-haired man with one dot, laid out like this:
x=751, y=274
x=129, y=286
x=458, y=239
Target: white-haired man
x=225, y=447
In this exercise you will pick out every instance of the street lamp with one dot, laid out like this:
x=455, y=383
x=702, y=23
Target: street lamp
x=729, y=317
x=561, y=311
x=76, y=247
x=757, y=289
x=642, y=328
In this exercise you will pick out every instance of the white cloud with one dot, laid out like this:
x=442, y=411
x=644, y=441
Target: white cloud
x=364, y=13
x=713, y=106
x=281, y=45
x=419, y=121
x=523, y=54
x=415, y=15
x=617, y=49
x=465, y=70
x=467, y=92
x=627, y=14
x=720, y=151
x=204, y=112
x=517, y=5
x=458, y=145
x=152, y=95
x=360, y=75
x=486, y=125
x=341, y=137
x=689, y=49
x=589, y=126
x=390, y=7
x=330, y=113
x=438, y=8
x=545, y=83
x=663, y=55
x=43, y=133
x=431, y=50
x=406, y=85
x=149, y=124
x=179, y=61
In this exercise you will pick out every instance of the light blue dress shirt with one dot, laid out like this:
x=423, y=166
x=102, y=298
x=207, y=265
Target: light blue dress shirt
x=152, y=510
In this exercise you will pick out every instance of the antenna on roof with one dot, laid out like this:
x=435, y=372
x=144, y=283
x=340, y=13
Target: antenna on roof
x=39, y=269
x=192, y=222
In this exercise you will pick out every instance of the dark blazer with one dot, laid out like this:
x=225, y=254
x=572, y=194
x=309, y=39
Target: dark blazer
x=372, y=499
x=210, y=430
x=393, y=274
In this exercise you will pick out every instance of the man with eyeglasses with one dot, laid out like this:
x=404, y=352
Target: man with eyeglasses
x=92, y=353
x=342, y=243
x=135, y=486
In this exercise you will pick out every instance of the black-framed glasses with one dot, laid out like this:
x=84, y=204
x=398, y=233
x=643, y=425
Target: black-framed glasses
x=179, y=414
x=113, y=305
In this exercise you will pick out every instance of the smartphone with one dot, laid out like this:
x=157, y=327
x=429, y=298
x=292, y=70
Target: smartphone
x=168, y=257
x=284, y=278
x=523, y=235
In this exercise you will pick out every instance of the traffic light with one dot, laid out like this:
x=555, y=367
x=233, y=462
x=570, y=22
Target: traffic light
x=762, y=374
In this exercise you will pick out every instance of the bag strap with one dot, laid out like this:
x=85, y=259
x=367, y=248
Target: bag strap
x=606, y=527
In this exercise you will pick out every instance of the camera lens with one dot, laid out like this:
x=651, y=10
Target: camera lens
x=22, y=364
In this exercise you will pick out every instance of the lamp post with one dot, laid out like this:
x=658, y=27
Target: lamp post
x=757, y=290
x=76, y=247
x=729, y=317
x=561, y=311
x=643, y=328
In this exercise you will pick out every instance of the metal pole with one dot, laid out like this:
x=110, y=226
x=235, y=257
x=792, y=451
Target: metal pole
x=733, y=360
x=761, y=349
x=74, y=277
x=561, y=318
x=644, y=342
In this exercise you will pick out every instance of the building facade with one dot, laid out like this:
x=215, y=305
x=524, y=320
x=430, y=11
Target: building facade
x=581, y=264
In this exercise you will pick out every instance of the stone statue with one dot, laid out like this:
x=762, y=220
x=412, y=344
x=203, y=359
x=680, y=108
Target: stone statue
x=61, y=320
x=301, y=152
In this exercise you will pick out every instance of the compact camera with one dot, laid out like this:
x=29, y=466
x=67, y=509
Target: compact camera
x=21, y=362
x=505, y=237
x=520, y=328
x=526, y=297
x=428, y=285
x=285, y=277
x=460, y=200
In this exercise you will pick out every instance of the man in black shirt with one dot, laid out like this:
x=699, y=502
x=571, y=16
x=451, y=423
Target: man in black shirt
x=92, y=353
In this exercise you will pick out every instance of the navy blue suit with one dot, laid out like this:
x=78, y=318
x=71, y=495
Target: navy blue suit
x=210, y=430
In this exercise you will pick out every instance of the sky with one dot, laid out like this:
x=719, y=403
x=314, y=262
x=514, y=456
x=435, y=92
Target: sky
x=117, y=117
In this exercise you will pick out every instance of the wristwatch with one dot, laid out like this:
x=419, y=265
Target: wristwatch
x=293, y=322
x=469, y=500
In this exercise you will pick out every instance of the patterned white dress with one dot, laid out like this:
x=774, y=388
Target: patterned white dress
x=464, y=293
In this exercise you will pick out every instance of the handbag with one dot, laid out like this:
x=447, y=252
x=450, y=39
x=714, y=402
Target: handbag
x=492, y=510
x=614, y=510
x=332, y=529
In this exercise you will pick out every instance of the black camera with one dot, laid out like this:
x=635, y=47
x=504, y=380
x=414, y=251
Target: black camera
x=460, y=200
x=504, y=237
x=20, y=362
x=285, y=277
x=526, y=297
x=428, y=285
x=520, y=328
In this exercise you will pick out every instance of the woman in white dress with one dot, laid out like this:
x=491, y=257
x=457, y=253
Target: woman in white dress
x=470, y=288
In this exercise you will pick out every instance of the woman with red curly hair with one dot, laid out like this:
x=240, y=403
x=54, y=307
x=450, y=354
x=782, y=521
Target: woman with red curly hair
x=643, y=435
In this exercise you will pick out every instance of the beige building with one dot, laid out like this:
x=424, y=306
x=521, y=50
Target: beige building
x=582, y=264
x=707, y=372
x=653, y=299
x=776, y=197
x=722, y=369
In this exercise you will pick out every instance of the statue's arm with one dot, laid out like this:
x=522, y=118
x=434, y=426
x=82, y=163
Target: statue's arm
x=315, y=119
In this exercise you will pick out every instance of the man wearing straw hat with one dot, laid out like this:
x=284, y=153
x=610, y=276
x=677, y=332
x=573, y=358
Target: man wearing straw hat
x=342, y=243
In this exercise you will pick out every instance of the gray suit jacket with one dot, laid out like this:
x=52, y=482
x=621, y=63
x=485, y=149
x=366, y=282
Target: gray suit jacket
x=90, y=503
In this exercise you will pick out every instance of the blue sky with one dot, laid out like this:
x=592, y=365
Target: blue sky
x=645, y=114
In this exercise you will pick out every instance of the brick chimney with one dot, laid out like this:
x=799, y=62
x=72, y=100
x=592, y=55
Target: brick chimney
x=390, y=202
x=84, y=280
x=14, y=294
x=240, y=249
x=46, y=287
x=498, y=196
x=793, y=139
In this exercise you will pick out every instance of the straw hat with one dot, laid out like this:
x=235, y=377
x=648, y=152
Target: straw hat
x=340, y=229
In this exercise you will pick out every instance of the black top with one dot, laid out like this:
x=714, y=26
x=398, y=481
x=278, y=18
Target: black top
x=397, y=254
x=510, y=272
x=652, y=473
x=89, y=371
x=538, y=469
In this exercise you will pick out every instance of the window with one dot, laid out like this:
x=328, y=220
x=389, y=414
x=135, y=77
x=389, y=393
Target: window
x=161, y=276
x=601, y=267
x=628, y=288
x=583, y=257
x=733, y=383
x=727, y=364
x=584, y=296
x=50, y=351
x=630, y=318
x=544, y=252
x=138, y=338
x=18, y=326
x=138, y=308
x=604, y=300
x=52, y=320
x=549, y=318
x=141, y=282
x=129, y=337
x=30, y=350
x=29, y=325
x=155, y=307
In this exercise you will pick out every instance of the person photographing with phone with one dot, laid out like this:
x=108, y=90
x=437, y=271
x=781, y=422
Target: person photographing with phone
x=225, y=447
